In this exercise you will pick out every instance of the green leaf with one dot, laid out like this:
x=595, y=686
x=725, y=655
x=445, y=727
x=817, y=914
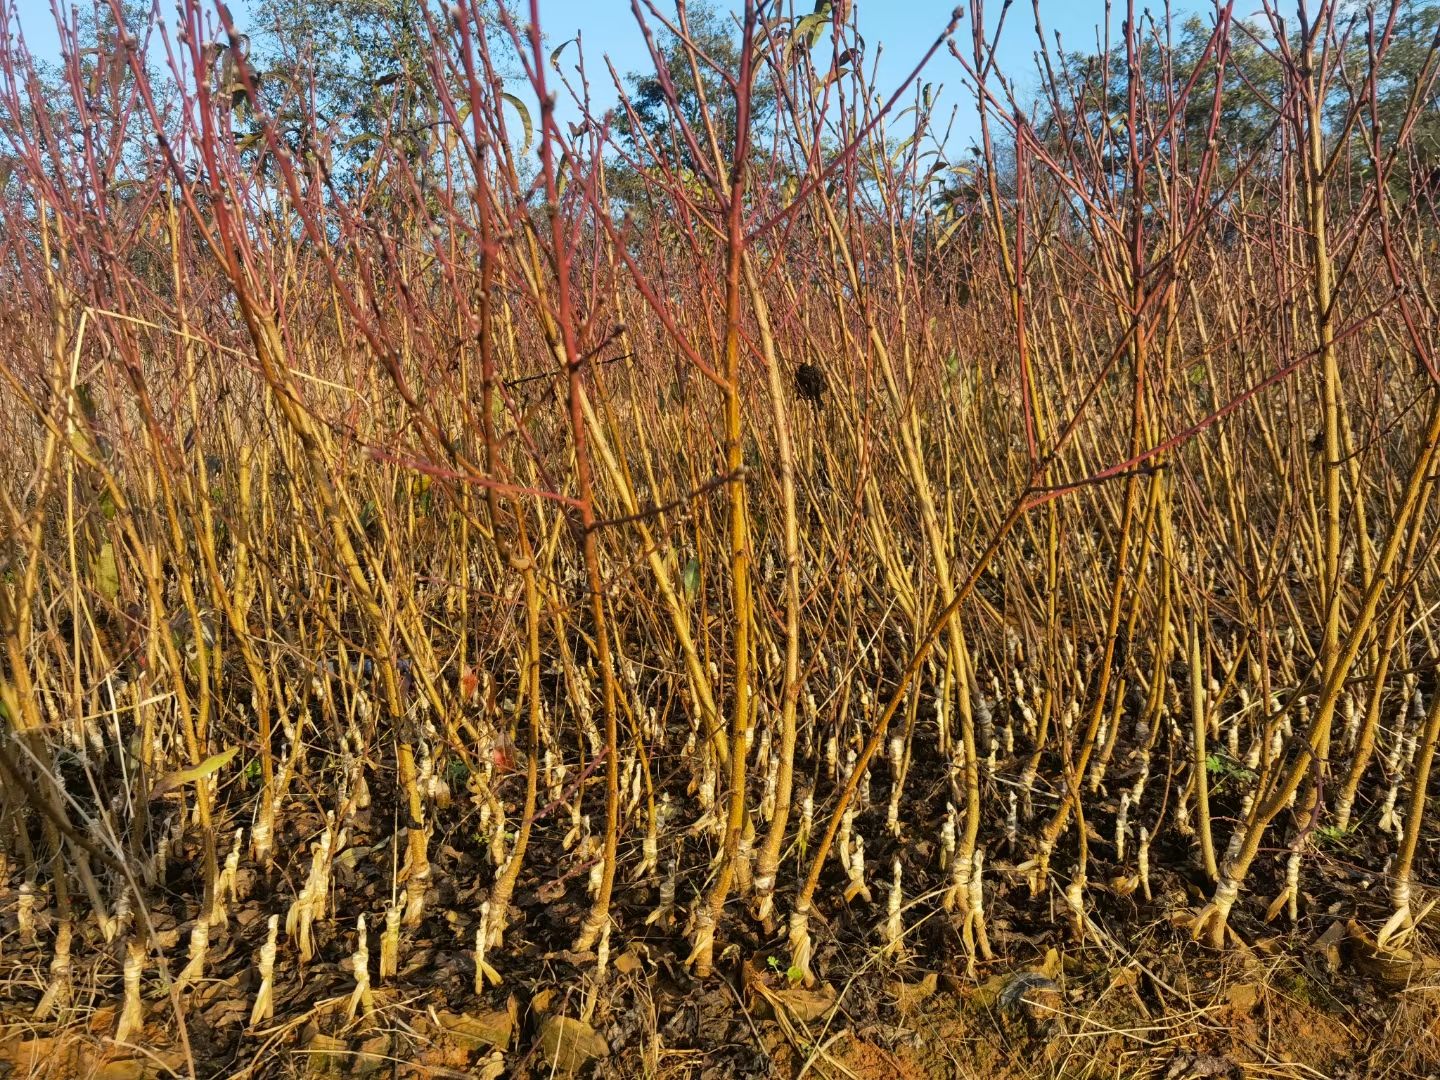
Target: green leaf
x=690, y=577
x=899, y=151
x=562, y=174
x=106, y=572
x=555, y=53
x=524, y=121
x=170, y=781
x=808, y=30
x=86, y=398
x=949, y=232
x=772, y=37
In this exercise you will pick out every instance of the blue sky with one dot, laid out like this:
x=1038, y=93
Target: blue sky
x=905, y=29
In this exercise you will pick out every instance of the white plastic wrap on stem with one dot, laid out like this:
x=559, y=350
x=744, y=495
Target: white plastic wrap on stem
x=264, y=1006
x=842, y=838
x=947, y=836
x=390, y=942
x=58, y=990
x=856, y=872
x=1122, y=823
x=664, y=912
x=132, y=1013
x=1142, y=858
x=360, y=998
x=799, y=942
x=892, y=931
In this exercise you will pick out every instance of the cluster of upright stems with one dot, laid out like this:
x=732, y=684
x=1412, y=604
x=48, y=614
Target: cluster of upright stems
x=431, y=492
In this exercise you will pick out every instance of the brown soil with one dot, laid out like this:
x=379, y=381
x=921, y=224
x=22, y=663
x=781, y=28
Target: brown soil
x=1166, y=1010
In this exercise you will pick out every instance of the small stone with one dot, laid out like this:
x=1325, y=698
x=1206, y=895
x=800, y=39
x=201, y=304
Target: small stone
x=1242, y=997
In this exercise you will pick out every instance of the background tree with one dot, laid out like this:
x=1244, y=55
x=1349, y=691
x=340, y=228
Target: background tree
x=1252, y=82
x=360, y=68
x=691, y=68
